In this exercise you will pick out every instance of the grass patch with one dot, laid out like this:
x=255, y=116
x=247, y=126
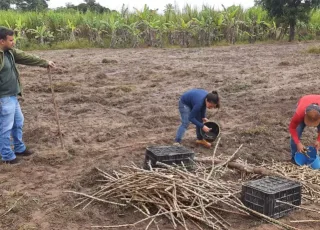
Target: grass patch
x=85, y=44
x=64, y=87
x=236, y=87
x=78, y=44
x=314, y=50
x=126, y=88
x=258, y=130
x=221, y=43
x=259, y=81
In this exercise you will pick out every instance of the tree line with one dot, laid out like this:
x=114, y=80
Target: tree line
x=40, y=5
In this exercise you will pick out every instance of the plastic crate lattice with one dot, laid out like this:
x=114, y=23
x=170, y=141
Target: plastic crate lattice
x=263, y=195
x=169, y=155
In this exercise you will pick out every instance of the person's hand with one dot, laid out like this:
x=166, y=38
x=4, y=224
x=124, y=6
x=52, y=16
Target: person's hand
x=301, y=148
x=317, y=145
x=51, y=64
x=206, y=129
x=205, y=120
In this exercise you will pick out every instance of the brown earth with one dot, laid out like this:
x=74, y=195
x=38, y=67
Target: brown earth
x=114, y=103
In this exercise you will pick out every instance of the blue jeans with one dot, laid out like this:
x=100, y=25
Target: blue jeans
x=293, y=145
x=184, y=114
x=11, y=123
x=300, y=129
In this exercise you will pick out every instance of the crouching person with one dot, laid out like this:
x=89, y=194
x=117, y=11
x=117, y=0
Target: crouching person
x=192, y=108
x=307, y=114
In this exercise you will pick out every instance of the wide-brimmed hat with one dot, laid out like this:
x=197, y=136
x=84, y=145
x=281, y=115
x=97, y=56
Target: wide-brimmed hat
x=312, y=115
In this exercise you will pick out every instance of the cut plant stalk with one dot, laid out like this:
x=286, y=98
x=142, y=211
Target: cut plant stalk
x=55, y=108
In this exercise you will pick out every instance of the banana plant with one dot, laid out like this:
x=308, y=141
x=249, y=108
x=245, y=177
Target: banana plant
x=136, y=34
x=169, y=13
x=8, y=24
x=20, y=32
x=146, y=14
x=113, y=24
x=209, y=23
x=255, y=26
x=203, y=28
x=72, y=28
x=42, y=34
x=231, y=22
x=154, y=29
x=171, y=31
x=185, y=30
x=163, y=28
x=189, y=13
x=94, y=28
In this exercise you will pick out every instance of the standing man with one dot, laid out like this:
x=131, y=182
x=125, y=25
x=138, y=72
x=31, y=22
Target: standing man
x=11, y=117
x=307, y=114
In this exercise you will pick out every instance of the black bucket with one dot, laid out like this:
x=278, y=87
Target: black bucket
x=214, y=132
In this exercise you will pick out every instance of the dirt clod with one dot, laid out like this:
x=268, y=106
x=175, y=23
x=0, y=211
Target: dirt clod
x=109, y=61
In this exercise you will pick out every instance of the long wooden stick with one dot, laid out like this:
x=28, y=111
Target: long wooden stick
x=304, y=221
x=214, y=153
x=298, y=207
x=55, y=109
x=233, y=157
x=241, y=167
x=256, y=170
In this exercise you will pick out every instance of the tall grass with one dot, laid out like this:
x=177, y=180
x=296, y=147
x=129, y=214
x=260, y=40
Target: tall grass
x=188, y=26
x=314, y=50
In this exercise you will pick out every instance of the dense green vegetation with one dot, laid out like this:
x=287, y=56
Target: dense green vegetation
x=71, y=27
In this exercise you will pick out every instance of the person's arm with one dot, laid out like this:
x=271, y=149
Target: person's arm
x=193, y=114
x=318, y=139
x=23, y=58
x=295, y=121
x=204, y=120
x=203, y=112
x=203, y=115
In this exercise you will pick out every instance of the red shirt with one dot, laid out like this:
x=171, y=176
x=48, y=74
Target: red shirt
x=298, y=117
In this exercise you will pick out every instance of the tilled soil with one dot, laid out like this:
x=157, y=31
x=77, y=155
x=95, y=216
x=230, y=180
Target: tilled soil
x=115, y=103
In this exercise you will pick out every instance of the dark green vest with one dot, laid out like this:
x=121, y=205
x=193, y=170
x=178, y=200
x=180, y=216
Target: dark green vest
x=9, y=85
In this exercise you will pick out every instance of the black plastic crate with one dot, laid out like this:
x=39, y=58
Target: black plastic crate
x=262, y=196
x=170, y=155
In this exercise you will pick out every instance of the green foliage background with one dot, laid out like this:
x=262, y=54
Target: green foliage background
x=186, y=27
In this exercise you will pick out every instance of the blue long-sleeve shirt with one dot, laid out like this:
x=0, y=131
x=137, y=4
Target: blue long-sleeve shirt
x=195, y=100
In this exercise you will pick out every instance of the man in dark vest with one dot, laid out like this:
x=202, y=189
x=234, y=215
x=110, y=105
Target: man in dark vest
x=11, y=117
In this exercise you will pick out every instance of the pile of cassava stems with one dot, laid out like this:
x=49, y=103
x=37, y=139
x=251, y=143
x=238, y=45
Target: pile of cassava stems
x=189, y=198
